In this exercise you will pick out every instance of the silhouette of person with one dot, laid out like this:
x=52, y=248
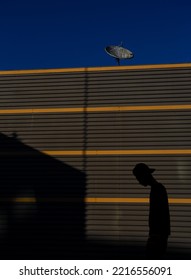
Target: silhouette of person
x=159, y=217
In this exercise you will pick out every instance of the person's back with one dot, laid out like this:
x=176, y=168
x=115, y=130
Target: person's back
x=159, y=218
x=159, y=222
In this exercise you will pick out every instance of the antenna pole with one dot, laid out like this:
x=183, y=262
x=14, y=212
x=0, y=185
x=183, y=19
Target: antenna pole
x=118, y=61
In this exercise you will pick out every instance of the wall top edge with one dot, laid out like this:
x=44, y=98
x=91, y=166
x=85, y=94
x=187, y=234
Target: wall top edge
x=95, y=69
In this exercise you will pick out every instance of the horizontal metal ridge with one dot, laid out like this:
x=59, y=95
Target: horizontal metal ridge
x=92, y=69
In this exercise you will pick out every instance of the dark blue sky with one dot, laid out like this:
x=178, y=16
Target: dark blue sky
x=61, y=33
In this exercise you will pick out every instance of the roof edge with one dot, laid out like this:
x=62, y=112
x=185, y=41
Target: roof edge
x=95, y=69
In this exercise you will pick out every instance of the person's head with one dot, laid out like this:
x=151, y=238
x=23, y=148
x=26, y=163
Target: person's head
x=143, y=173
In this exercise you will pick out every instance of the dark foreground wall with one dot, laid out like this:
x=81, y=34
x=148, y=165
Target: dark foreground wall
x=39, y=216
x=69, y=141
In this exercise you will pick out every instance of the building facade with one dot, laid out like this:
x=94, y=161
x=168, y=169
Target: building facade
x=77, y=134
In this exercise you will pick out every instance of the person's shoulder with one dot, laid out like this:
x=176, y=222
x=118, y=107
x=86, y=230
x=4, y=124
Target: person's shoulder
x=161, y=188
x=160, y=185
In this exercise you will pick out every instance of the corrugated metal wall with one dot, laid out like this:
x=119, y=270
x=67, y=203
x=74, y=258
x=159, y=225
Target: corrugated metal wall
x=96, y=124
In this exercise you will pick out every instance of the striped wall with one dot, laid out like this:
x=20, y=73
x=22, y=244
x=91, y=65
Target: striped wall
x=100, y=122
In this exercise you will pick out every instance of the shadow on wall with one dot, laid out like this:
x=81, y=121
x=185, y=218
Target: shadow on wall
x=42, y=211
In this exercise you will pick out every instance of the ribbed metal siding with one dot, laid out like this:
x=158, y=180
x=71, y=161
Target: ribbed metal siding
x=110, y=176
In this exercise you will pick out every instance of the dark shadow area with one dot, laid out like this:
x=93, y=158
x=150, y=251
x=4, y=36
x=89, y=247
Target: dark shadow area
x=42, y=211
x=123, y=251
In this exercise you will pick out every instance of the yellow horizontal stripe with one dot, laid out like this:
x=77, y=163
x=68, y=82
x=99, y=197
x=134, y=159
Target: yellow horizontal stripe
x=25, y=200
x=94, y=69
x=98, y=200
x=41, y=110
x=134, y=200
x=99, y=152
x=118, y=152
x=96, y=109
x=115, y=200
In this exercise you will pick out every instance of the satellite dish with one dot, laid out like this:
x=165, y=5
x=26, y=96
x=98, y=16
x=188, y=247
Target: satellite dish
x=119, y=52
